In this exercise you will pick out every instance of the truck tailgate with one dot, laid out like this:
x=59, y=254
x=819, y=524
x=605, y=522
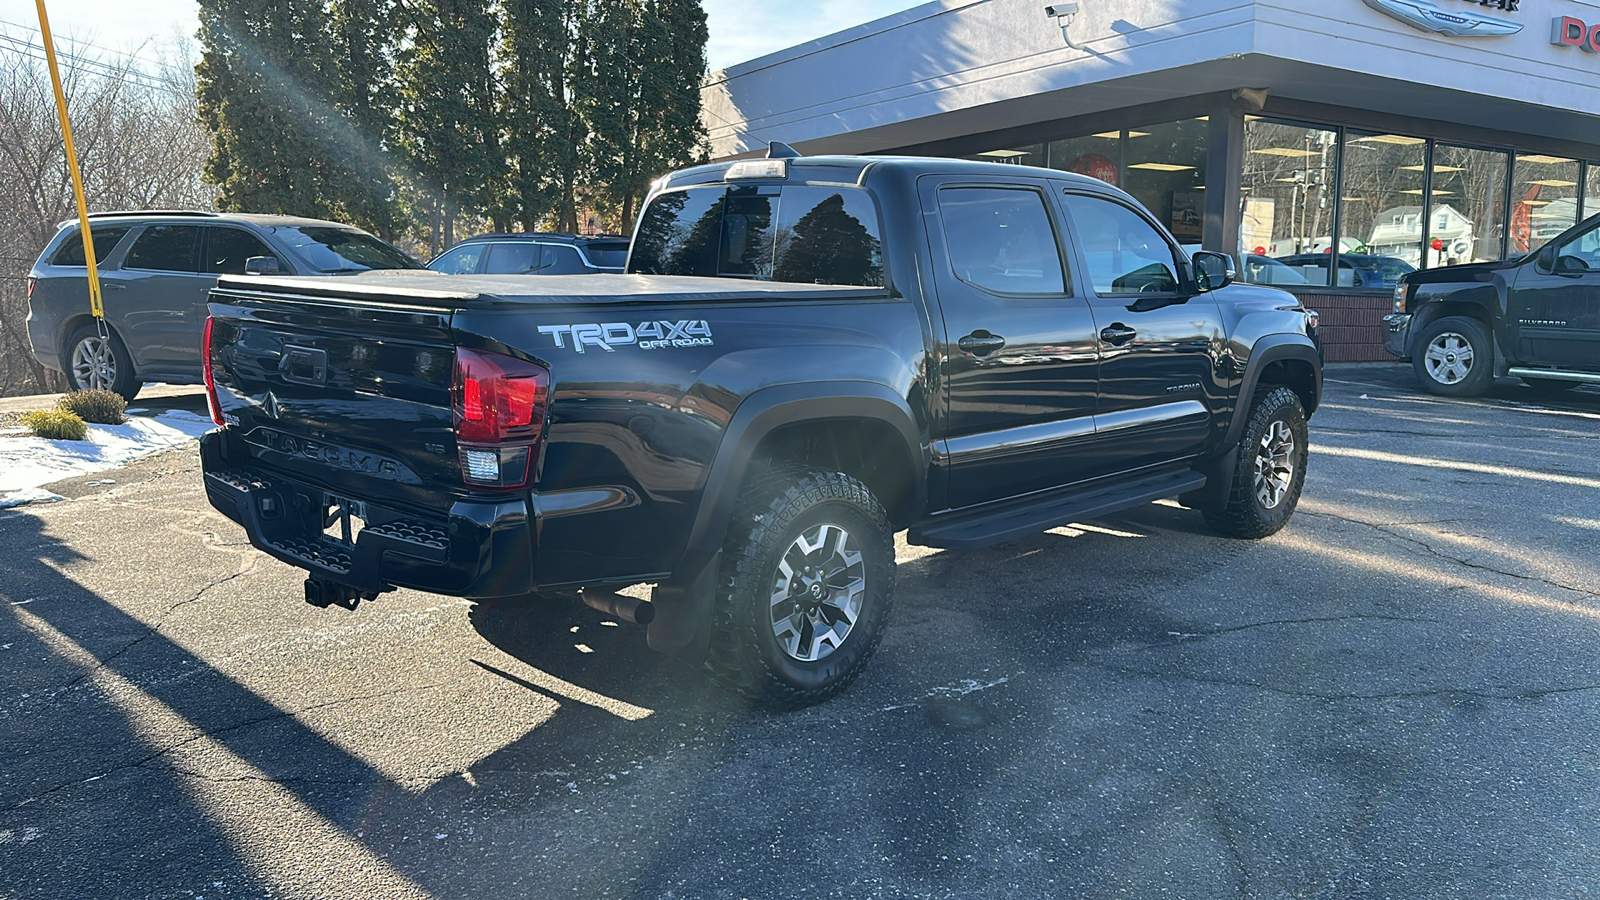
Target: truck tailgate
x=342, y=393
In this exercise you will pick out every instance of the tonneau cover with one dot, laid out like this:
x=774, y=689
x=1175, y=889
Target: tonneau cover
x=431, y=289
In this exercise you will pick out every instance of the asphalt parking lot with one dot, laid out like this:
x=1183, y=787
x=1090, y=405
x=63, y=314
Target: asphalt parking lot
x=1394, y=697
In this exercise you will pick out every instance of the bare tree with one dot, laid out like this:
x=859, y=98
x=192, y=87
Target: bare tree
x=139, y=143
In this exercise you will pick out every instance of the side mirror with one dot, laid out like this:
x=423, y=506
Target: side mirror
x=261, y=265
x=1546, y=262
x=1212, y=270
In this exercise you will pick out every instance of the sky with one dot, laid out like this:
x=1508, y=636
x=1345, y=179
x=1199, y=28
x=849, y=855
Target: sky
x=740, y=29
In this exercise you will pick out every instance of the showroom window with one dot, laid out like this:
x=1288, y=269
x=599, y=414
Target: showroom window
x=1544, y=200
x=1288, y=202
x=1381, y=199
x=1165, y=169
x=1467, y=217
x=1028, y=155
x=1095, y=155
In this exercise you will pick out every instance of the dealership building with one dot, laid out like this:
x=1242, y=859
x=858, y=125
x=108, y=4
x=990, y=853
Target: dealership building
x=1329, y=144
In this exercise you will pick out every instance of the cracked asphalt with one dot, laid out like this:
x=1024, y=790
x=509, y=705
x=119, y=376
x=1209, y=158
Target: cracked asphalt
x=1397, y=696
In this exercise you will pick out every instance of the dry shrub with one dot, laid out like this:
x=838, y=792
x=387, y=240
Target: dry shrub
x=99, y=407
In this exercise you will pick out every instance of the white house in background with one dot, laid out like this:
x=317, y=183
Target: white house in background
x=1398, y=233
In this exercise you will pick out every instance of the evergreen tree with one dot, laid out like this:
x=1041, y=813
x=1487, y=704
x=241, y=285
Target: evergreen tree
x=265, y=85
x=364, y=33
x=640, y=97
x=445, y=124
x=542, y=52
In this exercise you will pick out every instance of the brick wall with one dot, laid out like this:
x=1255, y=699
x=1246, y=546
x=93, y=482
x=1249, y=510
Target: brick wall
x=1352, y=324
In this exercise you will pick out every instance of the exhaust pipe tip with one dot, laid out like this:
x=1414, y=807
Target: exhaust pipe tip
x=628, y=609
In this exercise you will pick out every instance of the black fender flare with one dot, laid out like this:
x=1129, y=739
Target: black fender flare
x=684, y=602
x=1219, y=467
x=767, y=410
x=1271, y=348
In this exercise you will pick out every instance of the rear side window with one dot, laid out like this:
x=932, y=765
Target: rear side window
x=563, y=260
x=166, y=248
x=807, y=233
x=607, y=254
x=515, y=258
x=229, y=249
x=70, y=253
x=1000, y=239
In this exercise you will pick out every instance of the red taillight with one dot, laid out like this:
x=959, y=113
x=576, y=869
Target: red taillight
x=212, y=402
x=32, y=281
x=499, y=406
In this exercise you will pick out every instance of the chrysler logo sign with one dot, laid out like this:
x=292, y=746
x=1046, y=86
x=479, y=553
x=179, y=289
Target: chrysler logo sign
x=1429, y=16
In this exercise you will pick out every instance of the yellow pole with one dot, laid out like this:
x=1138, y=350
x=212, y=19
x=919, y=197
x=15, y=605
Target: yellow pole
x=95, y=305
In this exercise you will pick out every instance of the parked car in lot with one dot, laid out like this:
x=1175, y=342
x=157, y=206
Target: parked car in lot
x=533, y=253
x=155, y=271
x=806, y=356
x=1536, y=317
x=1362, y=270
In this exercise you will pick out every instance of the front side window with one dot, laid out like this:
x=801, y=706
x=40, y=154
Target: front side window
x=1000, y=239
x=1581, y=252
x=166, y=248
x=334, y=250
x=106, y=238
x=1124, y=253
x=229, y=249
x=806, y=233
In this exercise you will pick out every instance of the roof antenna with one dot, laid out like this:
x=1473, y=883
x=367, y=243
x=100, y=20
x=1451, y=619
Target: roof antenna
x=780, y=150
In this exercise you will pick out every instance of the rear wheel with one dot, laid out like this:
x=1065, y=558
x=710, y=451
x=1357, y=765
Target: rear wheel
x=1455, y=358
x=1270, y=469
x=806, y=585
x=100, y=363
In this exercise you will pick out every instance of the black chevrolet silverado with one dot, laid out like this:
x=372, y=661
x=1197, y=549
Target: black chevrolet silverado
x=806, y=356
x=1536, y=316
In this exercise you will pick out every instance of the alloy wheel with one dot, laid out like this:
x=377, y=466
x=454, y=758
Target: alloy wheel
x=94, y=364
x=1274, y=464
x=817, y=592
x=1448, y=357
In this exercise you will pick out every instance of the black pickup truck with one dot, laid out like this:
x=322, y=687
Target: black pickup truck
x=1535, y=316
x=806, y=356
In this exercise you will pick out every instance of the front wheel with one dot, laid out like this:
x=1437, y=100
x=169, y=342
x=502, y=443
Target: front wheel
x=96, y=363
x=806, y=585
x=1455, y=358
x=1270, y=470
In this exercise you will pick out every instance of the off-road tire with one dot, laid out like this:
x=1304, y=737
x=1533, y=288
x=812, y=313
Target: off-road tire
x=96, y=363
x=779, y=508
x=1263, y=495
x=1454, y=358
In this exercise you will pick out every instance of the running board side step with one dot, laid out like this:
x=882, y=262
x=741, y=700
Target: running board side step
x=1005, y=522
x=1556, y=375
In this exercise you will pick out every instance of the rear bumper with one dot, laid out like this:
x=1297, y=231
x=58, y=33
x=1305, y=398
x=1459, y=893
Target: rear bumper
x=478, y=549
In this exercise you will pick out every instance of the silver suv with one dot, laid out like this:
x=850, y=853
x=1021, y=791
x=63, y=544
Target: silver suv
x=155, y=271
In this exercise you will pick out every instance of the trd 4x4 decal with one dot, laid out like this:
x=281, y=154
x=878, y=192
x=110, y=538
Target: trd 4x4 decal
x=646, y=335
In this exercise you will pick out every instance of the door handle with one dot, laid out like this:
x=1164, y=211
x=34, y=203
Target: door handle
x=981, y=343
x=1117, y=334
x=111, y=286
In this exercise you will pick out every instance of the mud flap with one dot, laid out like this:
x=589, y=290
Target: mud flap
x=682, y=624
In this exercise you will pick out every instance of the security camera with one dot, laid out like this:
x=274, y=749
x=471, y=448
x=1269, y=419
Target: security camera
x=1061, y=10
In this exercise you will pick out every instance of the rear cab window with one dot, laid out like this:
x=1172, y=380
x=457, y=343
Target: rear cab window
x=806, y=233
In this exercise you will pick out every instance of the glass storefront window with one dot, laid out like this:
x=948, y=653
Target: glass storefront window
x=1288, y=202
x=1544, y=200
x=1028, y=155
x=1467, y=220
x=1381, y=200
x=1095, y=155
x=1165, y=167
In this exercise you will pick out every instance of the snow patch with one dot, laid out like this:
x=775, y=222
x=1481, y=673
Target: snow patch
x=26, y=463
